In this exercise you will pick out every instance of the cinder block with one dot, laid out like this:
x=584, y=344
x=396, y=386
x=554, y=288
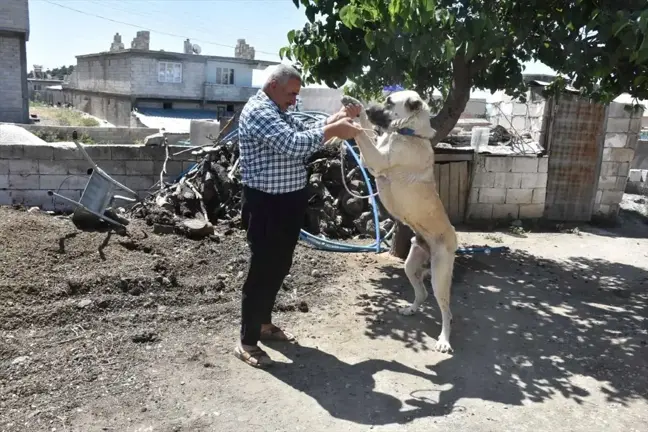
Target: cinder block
x=139, y=167
x=124, y=152
x=611, y=197
x=484, y=180
x=599, y=195
x=621, y=183
x=633, y=141
x=499, y=164
x=621, y=154
x=644, y=176
x=113, y=167
x=98, y=152
x=67, y=153
x=543, y=164
x=607, y=182
x=505, y=211
x=4, y=166
x=4, y=181
x=492, y=195
x=619, y=110
x=523, y=164
x=539, y=196
x=173, y=168
x=532, y=181
x=604, y=208
x=634, y=175
x=481, y=211
x=474, y=195
x=38, y=152
x=5, y=197
x=53, y=167
x=520, y=123
x=56, y=182
x=23, y=167
x=519, y=196
x=12, y=151
x=30, y=198
x=615, y=140
x=136, y=182
x=624, y=167
x=531, y=211
x=507, y=180
x=635, y=125
x=17, y=181
x=618, y=125
x=609, y=168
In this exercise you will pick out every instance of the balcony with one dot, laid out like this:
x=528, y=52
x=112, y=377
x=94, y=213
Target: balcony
x=227, y=93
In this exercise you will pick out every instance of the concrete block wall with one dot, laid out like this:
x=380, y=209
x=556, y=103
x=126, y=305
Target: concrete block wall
x=100, y=135
x=508, y=187
x=14, y=16
x=520, y=117
x=27, y=172
x=640, y=160
x=144, y=73
x=621, y=140
x=13, y=78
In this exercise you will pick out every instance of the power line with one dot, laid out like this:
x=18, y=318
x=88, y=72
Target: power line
x=148, y=29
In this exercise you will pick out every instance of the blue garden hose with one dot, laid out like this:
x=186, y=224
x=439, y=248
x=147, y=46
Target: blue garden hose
x=334, y=246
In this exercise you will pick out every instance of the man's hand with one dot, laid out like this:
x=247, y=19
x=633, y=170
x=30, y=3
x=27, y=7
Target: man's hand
x=351, y=111
x=343, y=128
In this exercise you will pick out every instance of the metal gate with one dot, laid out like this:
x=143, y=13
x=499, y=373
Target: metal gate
x=575, y=137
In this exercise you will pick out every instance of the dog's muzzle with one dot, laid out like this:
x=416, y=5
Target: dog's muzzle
x=379, y=116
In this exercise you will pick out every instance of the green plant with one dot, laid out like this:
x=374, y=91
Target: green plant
x=89, y=122
x=453, y=46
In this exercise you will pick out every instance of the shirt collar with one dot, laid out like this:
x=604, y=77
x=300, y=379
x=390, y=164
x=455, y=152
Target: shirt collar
x=263, y=97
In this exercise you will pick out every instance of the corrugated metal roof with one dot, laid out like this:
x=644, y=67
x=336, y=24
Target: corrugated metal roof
x=172, y=120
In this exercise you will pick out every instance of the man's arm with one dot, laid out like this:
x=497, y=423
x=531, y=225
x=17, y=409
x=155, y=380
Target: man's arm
x=278, y=134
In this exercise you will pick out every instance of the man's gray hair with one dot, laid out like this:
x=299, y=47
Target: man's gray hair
x=283, y=73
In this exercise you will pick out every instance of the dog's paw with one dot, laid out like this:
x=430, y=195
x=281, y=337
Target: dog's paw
x=348, y=100
x=407, y=311
x=443, y=346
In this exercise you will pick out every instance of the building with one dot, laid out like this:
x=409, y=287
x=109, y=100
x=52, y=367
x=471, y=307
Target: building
x=14, y=34
x=38, y=87
x=125, y=86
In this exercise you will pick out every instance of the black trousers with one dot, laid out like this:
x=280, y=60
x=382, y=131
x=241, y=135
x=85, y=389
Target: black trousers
x=273, y=223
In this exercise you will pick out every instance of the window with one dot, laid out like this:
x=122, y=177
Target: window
x=167, y=105
x=169, y=72
x=224, y=76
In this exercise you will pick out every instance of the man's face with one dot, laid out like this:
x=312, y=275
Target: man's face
x=286, y=95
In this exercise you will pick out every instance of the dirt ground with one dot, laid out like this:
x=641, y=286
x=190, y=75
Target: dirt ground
x=135, y=334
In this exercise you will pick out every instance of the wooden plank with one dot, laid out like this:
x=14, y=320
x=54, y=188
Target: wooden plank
x=463, y=189
x=453, y=193
x=449, y=157
x=445, y=185
x=437, y=177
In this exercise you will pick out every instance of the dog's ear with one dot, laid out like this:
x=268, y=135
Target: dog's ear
x=413, y=105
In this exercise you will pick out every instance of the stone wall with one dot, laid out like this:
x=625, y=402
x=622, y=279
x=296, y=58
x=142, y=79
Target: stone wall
x=520, y=117
x=621, y=139
x=27, y=172
x=508, y=187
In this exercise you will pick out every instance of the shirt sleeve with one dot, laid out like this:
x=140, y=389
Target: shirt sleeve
x=295, y=141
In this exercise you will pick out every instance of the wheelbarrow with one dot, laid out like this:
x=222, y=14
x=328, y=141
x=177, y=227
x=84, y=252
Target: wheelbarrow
x=98, y=194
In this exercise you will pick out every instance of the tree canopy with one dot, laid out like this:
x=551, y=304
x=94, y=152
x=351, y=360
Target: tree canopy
x=599, y=47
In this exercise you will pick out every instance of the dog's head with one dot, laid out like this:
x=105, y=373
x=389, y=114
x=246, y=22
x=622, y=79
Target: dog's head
x=402, y=109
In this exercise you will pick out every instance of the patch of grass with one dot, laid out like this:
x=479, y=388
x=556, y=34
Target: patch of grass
x=63, y=116
x=63, y=137
x=495, y=238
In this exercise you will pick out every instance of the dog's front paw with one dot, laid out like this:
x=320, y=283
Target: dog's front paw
x=407, y=311
x=348, y=100
x=443, y=345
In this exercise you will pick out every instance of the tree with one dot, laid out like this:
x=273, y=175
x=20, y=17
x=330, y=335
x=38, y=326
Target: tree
x=599, y=47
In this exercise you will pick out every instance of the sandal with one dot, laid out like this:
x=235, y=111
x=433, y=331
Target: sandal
x=255, y=357
x=276, y=334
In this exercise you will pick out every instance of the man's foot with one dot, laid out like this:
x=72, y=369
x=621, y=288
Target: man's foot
x=254, y=356
x=274, y=333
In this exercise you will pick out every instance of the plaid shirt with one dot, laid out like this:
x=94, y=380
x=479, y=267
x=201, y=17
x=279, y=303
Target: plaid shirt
x=274, y=146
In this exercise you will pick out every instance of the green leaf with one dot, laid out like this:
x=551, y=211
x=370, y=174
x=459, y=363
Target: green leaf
x=428, y=5
x=370, y=39
x=348, y=15
x=291, y=36
x=449, y=50
x=282, y=52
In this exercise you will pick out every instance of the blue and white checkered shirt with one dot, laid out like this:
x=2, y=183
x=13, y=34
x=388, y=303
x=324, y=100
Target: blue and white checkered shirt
x=274, y=146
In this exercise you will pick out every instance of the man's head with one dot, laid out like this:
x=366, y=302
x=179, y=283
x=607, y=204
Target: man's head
x=283, y=85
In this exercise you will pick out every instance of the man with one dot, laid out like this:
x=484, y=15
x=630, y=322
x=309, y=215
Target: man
x=274, y=147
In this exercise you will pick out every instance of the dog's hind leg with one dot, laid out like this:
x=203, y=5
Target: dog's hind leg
x=415, y=268
x=441, y=268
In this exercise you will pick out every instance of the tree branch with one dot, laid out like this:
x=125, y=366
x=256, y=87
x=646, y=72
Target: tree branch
x=456, y=101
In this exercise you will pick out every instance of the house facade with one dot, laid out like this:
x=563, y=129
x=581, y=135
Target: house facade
x=112, y=84
x=14, y=34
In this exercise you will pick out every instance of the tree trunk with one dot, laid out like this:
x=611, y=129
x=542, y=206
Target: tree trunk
x=401, y=241
x=443, y=123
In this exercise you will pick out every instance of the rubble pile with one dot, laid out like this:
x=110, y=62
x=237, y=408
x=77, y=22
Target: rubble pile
x=209, y=194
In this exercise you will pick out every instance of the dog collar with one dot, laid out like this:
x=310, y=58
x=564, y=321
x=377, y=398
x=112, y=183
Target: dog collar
x=409, y=132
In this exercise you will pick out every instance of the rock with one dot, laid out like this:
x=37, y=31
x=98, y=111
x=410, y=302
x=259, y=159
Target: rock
x=19, y=360
x=33, y=210
x=198, y=228
x=84, y=303
x=316, y=273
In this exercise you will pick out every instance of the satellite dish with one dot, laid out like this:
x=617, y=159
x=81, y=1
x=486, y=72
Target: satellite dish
x=195, y=48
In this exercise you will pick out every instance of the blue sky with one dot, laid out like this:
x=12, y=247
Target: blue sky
x=58, y=34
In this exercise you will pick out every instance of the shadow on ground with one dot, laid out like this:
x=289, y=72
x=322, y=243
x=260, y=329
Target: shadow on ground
x=523, y=328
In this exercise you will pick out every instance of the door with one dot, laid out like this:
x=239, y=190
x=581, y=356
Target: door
x=575, y=143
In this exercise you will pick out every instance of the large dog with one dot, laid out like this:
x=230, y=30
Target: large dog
x=402, y=162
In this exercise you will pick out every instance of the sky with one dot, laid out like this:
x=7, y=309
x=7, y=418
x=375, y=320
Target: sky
x=58, y=33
